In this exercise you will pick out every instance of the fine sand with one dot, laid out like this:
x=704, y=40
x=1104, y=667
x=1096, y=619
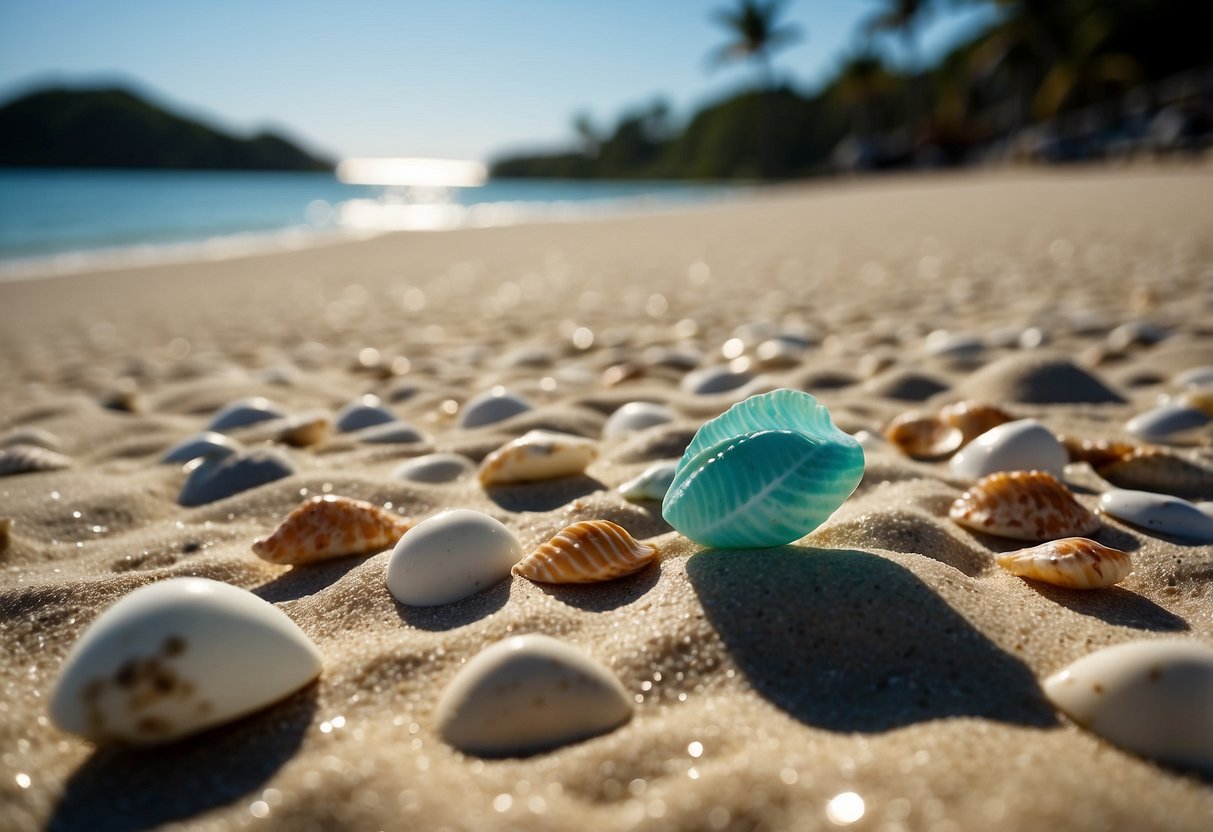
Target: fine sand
x=885, y=654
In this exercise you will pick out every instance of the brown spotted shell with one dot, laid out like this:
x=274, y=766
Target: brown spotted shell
x=973, y=419
x=923, y=437
x=1150, y=469
x=328, y=526
x=586, y=552
x=1096, y=452
x=29, y=459
x=1073, y=562
x=1024, y=505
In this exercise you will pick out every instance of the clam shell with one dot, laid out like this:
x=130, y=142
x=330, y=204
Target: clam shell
x=1024, y=505
x=529, y=694
x=245, y=412
x=208, y=443
x=362, y=413
x=1148, y=469
x=494, y=406
x=586, y=552
x=1154, y=698
x=327, y=526
x=31, y=459
x=216, y=478
x=449, y=557
x=766, y=472
x=652, y=484
x=973, y=418
x=434, y=468
x=1170, y=423
x=924, y=437
x=1096, y=452
x=635, y=416
x=1015, y=446
x=1159, y=513
x=538, y=455
x=176, y=657
x=1073, y=562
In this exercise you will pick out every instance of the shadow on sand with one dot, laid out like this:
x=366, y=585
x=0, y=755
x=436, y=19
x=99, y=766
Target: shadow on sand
x=543, y=496
x=849, y=641
x=131, y=789
x=1115, y=605
x=308, y=579
x=459, y=613
x=605, y=595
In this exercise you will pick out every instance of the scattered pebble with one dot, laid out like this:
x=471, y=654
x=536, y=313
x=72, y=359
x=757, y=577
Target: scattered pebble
x=494, y=406
x=206, y=444
x=434, y=468
x=449, y=557
x=218, y=477
x=635, y=416
x=245, y=412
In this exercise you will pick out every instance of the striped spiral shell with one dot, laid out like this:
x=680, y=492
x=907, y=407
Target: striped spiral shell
x=586, y=552
x=29, y=459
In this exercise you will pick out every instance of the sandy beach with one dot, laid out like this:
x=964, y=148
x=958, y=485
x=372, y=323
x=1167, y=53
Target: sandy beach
x=885, y=654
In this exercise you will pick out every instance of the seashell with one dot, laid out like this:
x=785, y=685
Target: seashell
x=177, y=657
x=391, y=433
x=362, y=413
x=766, y=472
x=1096, y=452
x=31, y=459
x=327, y=526
x=652, y=484
x=245, y=412
x=617, y=374
x=434, y=468
x=123, y=397
x=449, y=557
x=1158, y=513
x=973, y=418
x=1021, y=445
x=1149, y=469
x=923, y=437
x=1194, y=379
x=1206, y=507
x=1133, y=333
x=1073, y=562
x=496, y=405
x=1199, y=399
x=305, y=429
x=1154, y=698
x=1170, y=423
x=780, y=353
x=219, y=477
x=710, y=380
x=208, y=443
x=584, y=553
x=31, y=436
x=1024, y=505
x=942, y=343
x=635, y=416
x=528, y=694
x=538, y=455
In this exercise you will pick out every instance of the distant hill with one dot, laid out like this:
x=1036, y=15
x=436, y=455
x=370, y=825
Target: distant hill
x=114, y=128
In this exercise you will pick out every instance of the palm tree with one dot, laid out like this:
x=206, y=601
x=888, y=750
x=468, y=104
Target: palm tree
x=902, y=17
x=757, y=34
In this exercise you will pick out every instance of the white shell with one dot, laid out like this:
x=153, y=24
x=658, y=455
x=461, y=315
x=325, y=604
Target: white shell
x=207, y=443
x=1167, y=423
x=388, y=433
x=652, y=484
x=1154, y=698
x=214, y=478
x=1021, y=445
x=177, y=657
x=538, y=455
x=710, y=380
x=527, y=694
x=449, y=557
x=434, y=468
x=635, y=416
x=493, y=406
x=1159, y=513
x=362, y=413
x=245, y=412
x=1195, y=378
x=952, y=344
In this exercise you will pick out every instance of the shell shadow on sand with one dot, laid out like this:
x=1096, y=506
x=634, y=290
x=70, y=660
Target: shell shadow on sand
x=605, y=595
x=457, y=614
x=545, y=495
x=850, y=641
x=130, y=789
x=1114, y=605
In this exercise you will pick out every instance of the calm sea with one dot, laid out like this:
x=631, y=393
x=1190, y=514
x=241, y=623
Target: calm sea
x=65, y=220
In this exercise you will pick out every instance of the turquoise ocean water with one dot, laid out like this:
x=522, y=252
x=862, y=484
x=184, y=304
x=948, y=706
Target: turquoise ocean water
x=72, y=219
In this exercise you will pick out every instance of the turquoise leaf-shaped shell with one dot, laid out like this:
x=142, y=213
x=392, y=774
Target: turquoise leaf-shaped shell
x=766, y=472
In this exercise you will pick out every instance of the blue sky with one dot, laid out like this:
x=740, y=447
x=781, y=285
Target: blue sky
x=454, y=78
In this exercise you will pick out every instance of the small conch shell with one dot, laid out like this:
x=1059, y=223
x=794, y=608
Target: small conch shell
x=1149, y=469
x=973, y=418
x=538, y=455
x=1073, y=562
x=1096, y=452
x=586, y=552
x=328, y=526
x=29, y=459
x=1024, y=505
x=924, y=437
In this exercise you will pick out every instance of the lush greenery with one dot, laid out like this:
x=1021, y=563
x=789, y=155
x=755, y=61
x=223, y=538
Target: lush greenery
x=113, y=128
x=1042, y=60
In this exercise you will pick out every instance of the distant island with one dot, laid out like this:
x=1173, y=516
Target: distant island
x=114, y=128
